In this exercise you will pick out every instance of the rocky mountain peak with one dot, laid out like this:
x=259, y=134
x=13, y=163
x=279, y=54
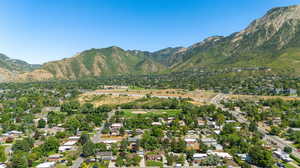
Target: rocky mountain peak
x=274, y=21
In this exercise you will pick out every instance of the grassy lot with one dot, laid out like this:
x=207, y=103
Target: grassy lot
x=128, y=113
x=152, y=163
x=288, y=165
x=61, y=166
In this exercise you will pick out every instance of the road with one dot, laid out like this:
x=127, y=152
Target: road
x=281, y=143
x=96, y=138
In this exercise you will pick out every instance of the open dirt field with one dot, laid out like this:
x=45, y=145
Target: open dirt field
x=199, y=97
x=118, y=96
x=105, y=99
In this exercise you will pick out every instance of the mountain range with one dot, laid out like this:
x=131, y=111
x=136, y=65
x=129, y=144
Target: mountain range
x=271, y=41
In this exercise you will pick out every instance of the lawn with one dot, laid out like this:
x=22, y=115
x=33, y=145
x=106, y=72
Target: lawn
x=287, y=165
x=61, y=166
x=152, y=163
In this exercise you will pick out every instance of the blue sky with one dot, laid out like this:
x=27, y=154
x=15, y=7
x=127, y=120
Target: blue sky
x=43, y=30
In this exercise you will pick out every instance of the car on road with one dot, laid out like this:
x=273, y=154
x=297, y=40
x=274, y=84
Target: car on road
x=280, y=165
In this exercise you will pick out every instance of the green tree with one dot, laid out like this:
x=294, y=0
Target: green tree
x=72, y=124
x=21, y=146
x=84, y=138
x=253, y=126
x=51, y=145
x=170, y=160
x=88, y=149
x=2, y=154
x=211, y=160
x=275, y=130
x=41, y=123
x=19, y=160
x=287, y=149
x=261, y=157
x=101, y=147
x=120, y=162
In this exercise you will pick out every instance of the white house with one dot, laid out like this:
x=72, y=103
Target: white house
x=283, y=156
x=2, y=165
x=74, y=138
x=116, y=125
x=190, y=140
x=199, y=155
x=222, y=155
x=156, y=124
x=209, y=141
x=69, y=143
x=65, y=148
x=46, y=165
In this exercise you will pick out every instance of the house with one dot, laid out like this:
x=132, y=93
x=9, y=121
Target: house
x=191, y=132
x=156, y=124
x=201, y=122
x=217, y=132
x=218, y=147
x=295, y=129
x=212, y=124
x=156, y=157
x=55, y=157
x=230, y=121
x=140, y=153
x=109, y=141
x=74, y=138
x=2, y=140
x=209, y=141
x=46, y=165
x=116, y=126
x=283, y=156
x=13, y=134
x=170, y=120
x=139, y=131
x=276, y=120
x=244, y=157
x=105, y=156
x=115, y=129
x=292, y=92
x=70, y=143
x=238, y=128
x=198, y=157
x=132, y=139
x=2, y=165
x=181, y=123
x=178, y=165
x=222, y=155
x=65, y=148
x=190, y=141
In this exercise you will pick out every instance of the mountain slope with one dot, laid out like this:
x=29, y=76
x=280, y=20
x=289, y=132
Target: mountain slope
x=10, y=68
x=267, y=41
x=106, y=61
x=15, y=64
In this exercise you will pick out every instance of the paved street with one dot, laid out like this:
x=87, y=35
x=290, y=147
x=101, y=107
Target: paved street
x=96, y=139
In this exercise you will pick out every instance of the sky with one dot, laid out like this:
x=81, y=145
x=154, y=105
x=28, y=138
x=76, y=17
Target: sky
x=38, y=31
